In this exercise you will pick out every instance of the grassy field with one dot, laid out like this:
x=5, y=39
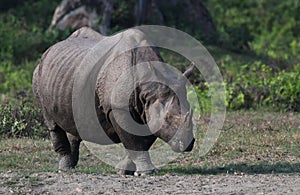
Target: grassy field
x=250, y=142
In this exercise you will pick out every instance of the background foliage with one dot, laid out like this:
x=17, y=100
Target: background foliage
x=256, y=49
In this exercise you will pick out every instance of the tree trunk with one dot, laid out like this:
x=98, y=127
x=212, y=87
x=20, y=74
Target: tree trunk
x=108, y=10
x=79, y=13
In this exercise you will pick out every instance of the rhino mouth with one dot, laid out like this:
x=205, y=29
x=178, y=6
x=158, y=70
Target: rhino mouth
x=181, y=147
x=190, y=146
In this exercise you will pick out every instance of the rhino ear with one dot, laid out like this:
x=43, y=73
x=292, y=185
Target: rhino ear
x=189, y=70
x=170, y=101
x=188, y=119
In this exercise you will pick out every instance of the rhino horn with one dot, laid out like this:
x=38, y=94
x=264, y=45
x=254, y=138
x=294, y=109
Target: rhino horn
x=189, y=70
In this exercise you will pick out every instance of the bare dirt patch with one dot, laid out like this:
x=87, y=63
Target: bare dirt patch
x=74, y=183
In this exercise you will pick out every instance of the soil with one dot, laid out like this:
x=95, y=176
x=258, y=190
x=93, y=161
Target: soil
x=75, y=183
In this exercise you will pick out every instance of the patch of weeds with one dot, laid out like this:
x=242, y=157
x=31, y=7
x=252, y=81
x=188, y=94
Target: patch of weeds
x=100, y=168
x=20, y=179
x=90, y=164
x=20, y=117
x=250, y=142
x=10, y=183
x=26, y=154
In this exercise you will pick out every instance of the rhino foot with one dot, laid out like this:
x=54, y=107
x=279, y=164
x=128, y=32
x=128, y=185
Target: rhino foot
x=143, y=163
x=126, y=167
x=66, y=163
x=124, y=172
x=144, y=173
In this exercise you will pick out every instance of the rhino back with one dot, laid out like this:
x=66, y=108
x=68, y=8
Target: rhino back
x=54, y=76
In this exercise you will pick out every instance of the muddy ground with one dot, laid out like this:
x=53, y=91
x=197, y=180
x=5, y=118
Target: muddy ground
x=74, y=183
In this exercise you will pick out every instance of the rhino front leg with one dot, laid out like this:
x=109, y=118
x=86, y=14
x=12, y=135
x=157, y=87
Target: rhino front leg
x=136, y=163
x=142, y=161
x=137, y=149
x=61, y=146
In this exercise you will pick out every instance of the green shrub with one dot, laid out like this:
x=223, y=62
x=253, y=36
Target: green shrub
x=203, y=99
x=285, y=90
x=21, y=47
x=257, y=85
x=269, y=28
x=13, y=78
x=20, y=118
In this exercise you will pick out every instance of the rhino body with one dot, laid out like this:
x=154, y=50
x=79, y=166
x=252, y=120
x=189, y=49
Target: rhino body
x=53, y=81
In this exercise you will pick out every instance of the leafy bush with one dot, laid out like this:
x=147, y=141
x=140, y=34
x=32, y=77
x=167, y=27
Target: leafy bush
x=24, y=36
x=285, y=90
x=14, y=78
x=21, y=46
x=20, y=117
x=21, y=42
x=257, y=85
x=203, y=99
x=269, y=28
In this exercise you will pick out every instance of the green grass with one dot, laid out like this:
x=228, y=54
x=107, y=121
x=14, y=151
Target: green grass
x=36, y=155
x=250, y=142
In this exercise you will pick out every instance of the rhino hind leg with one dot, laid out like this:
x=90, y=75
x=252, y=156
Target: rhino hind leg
x=62, y=146
x=74, y=146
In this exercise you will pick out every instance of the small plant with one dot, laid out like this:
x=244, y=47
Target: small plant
x=21, y=118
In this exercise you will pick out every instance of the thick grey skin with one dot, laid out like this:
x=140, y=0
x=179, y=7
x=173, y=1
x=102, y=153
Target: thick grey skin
x=52, y=87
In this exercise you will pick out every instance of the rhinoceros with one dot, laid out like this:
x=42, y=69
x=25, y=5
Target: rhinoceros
x=151, y=102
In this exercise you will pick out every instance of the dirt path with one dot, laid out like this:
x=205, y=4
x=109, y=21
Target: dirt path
x=65, y=183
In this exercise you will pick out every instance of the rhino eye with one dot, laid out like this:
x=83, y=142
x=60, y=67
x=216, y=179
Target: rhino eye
x=168, y=118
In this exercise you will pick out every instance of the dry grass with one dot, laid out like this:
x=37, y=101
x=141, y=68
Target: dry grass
x=250, y=142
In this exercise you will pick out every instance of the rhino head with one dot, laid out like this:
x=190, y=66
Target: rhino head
x=170, y=117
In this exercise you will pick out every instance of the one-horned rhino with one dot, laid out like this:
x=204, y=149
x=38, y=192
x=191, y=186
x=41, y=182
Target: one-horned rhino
x=151, y=103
